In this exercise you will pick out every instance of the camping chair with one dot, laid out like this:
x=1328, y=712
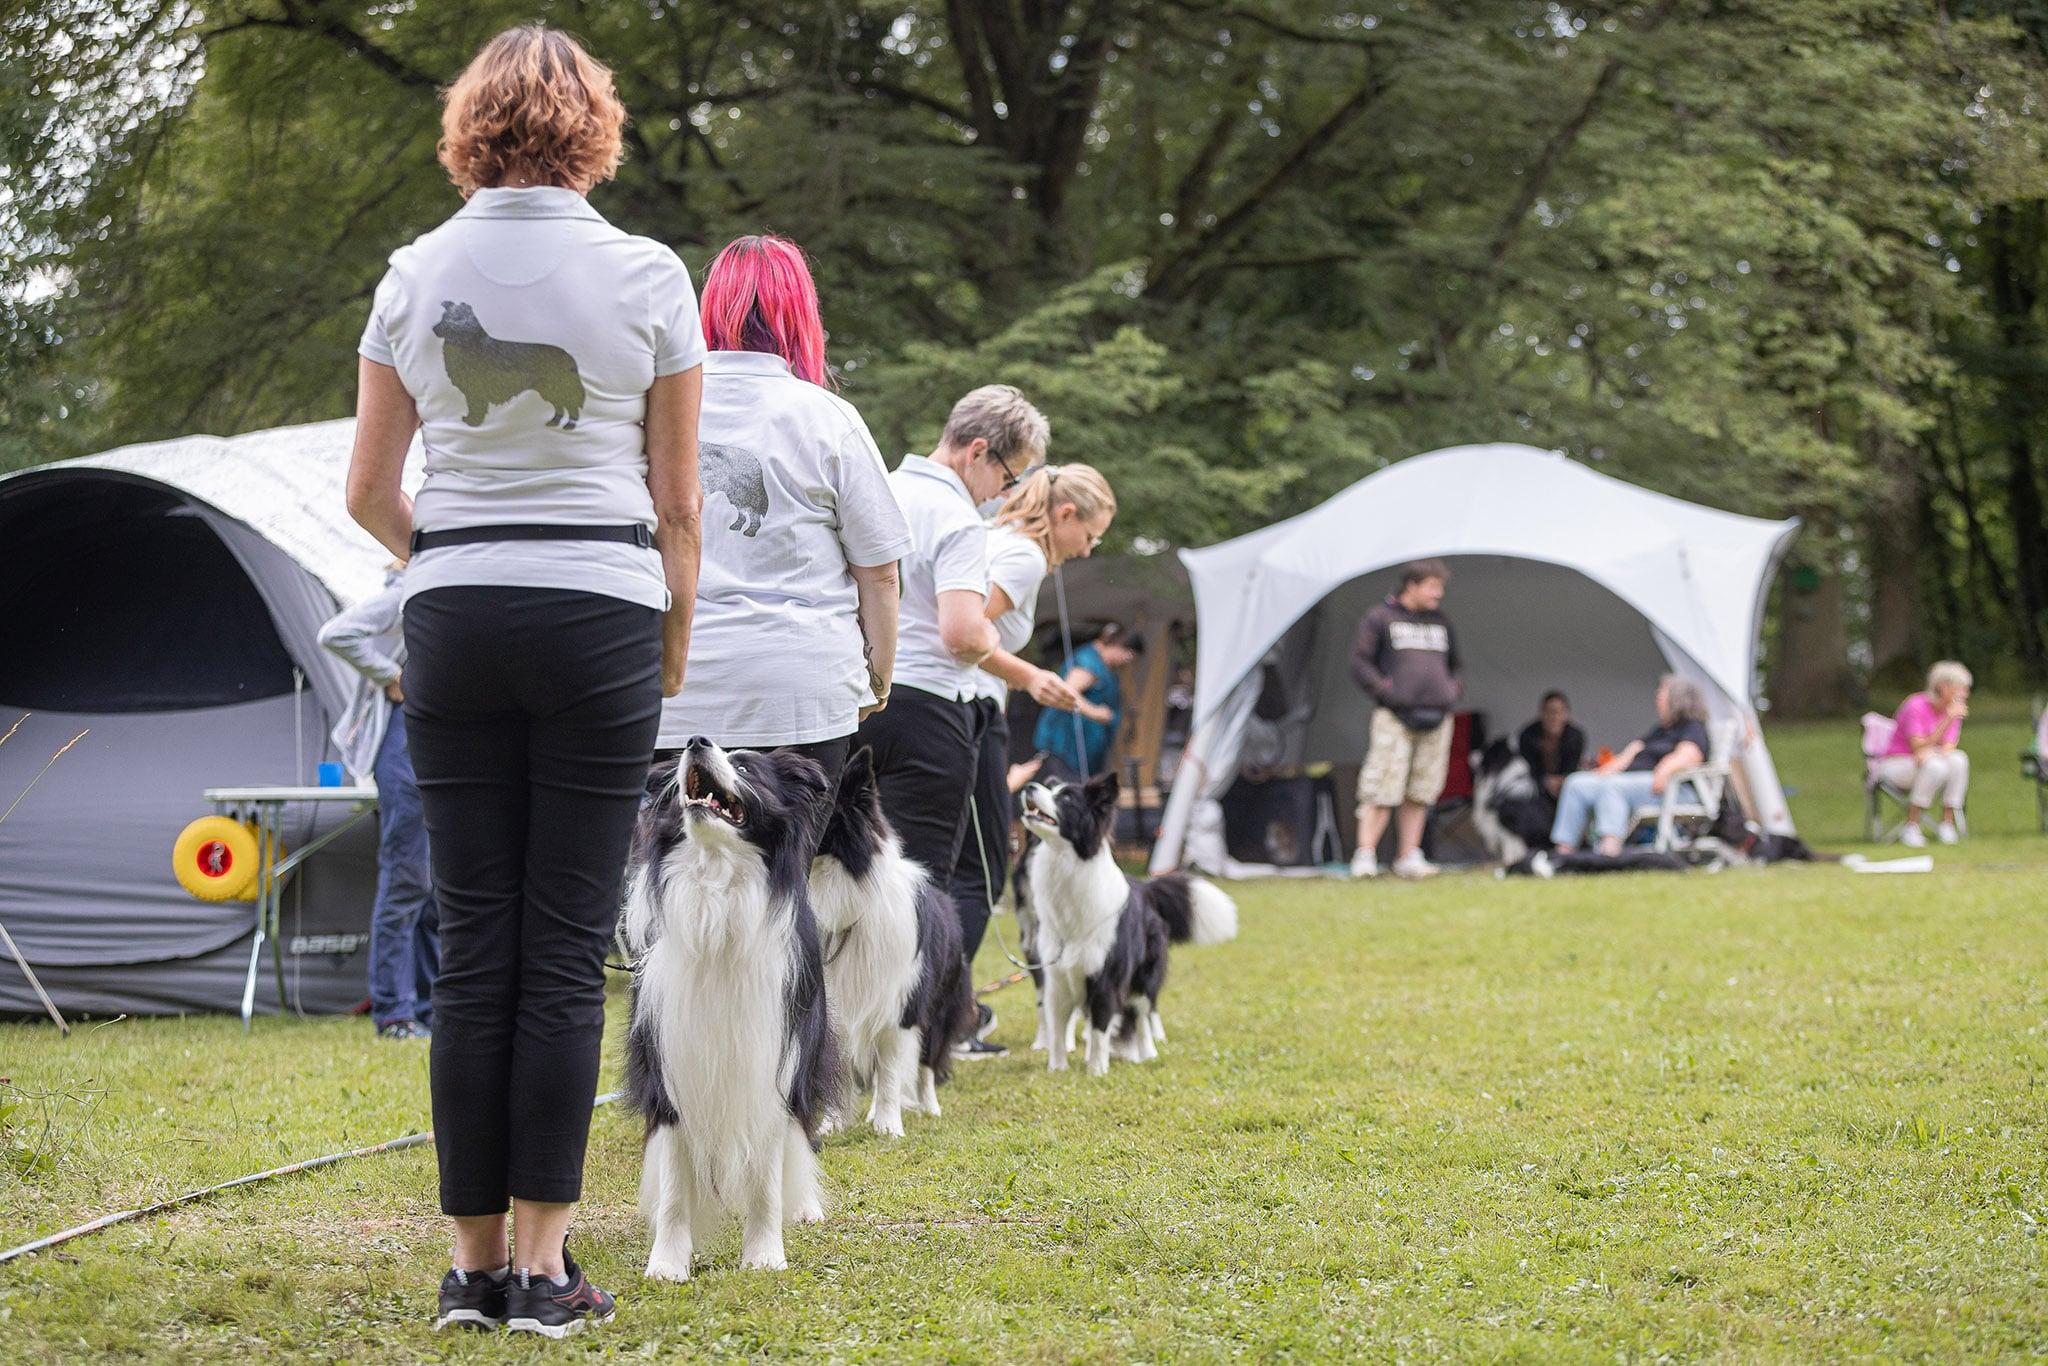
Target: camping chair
x=1707, y=783
x=1877, y=737
x=2034, y=765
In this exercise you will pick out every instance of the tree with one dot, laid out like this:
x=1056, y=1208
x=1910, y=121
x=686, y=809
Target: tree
x=1244, y=251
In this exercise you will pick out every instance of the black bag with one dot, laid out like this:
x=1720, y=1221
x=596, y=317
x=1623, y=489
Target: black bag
x=1421, y=719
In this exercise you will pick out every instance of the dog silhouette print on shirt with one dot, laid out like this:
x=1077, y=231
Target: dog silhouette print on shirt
x=735, y=472
x=489, y=370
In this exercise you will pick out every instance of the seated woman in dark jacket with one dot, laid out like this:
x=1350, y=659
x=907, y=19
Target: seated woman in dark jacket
x=1552, y=746
x=1554, y=749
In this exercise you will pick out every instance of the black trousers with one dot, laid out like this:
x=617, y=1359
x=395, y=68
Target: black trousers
x=984, y=863
x=531, y=714
x=925, y=750
x=829, y=755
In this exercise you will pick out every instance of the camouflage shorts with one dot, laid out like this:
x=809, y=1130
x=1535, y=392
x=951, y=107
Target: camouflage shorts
x=1403, y=765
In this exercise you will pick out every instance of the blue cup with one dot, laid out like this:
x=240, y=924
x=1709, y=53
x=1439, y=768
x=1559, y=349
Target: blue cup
x=330, y=775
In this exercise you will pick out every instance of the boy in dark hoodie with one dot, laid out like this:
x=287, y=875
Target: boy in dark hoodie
x=1407, y=658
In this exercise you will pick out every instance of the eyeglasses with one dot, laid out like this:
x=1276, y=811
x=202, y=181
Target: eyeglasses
x=1011, y=480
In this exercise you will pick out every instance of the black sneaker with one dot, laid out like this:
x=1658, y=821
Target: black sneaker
x=535, y=1304
x=471, y=1299
x=978, y=1050
x=985, y=1021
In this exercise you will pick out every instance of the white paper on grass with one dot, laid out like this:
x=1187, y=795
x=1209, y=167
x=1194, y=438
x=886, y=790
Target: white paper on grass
x=1856, y=863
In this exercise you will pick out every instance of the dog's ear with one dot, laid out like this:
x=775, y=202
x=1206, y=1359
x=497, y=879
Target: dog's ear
x=1102, y=792
x=657, y=808
x=812, y=788
x=811, y=797
x=858, y=775
x=662, y=788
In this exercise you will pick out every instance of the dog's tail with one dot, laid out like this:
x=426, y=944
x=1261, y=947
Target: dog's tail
x=1195, y=912
x=943, y=1003
x=1020, y=876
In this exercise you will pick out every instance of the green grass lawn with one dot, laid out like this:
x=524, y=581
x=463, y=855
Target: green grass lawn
x=1792, y=1112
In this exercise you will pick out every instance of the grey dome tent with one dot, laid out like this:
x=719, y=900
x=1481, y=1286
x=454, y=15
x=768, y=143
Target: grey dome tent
x=166, y=599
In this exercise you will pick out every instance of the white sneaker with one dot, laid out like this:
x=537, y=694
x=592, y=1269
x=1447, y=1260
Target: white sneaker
x=1946, y=832
x=1913, y=837
x=1365, y=863
x=1414, y=866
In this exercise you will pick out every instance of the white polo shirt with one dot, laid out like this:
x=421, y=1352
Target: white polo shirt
x=949, y=551
x=1018, y=567
x=794, y=493
x=528, y=331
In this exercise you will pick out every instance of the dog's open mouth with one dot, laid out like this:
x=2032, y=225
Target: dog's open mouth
x=1039, y=807
x=701, y=796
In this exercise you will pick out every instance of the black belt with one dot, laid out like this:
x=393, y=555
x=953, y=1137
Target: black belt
x=531, y=531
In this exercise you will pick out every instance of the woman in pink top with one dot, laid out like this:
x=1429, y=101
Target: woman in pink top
x=1923, y=759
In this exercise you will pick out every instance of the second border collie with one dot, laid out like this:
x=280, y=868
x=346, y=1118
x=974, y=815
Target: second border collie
x=730, y=1057
x=1101, y=935
x=895, y=970
x=1499, y=776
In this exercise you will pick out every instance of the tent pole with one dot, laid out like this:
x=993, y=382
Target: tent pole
x=29, y=973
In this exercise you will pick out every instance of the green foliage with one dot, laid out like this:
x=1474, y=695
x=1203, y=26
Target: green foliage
x=1241, y=253
x=19, y=1154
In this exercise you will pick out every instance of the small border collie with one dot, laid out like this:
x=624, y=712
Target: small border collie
x=895, y=970
x=1101, y=935
x=730, y=1057
x=1499, y=775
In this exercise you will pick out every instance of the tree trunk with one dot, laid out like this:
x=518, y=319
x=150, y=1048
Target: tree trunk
x=2030, y=551
x=1934, y=538
x=1034, y=111
x=1812, y=676
x=2016, y=261
x=1892, y=543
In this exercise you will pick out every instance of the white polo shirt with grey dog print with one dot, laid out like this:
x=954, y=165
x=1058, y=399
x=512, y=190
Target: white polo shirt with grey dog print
x=794, y=493
x=528, y=330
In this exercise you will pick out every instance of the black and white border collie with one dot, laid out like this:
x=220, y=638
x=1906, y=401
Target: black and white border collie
x=730, y=1057
x=1500, y=777
x=895, y=972
x=1508, y=809
x=1027, y=936
x=1100, y=935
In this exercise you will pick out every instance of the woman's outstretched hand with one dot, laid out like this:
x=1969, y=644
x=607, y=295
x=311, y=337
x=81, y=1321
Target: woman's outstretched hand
x=1023, y=773
x=1048, y=689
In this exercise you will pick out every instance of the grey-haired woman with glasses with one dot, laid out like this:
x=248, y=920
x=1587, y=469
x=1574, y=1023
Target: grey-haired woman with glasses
x=926, y=740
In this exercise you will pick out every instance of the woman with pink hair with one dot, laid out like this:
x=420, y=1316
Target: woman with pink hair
x=795, y=634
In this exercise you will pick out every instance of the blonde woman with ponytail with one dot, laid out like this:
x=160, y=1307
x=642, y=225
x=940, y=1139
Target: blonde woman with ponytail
x=1058, y=513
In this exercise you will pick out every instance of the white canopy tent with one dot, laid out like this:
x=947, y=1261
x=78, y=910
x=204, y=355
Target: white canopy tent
x=1561, y=578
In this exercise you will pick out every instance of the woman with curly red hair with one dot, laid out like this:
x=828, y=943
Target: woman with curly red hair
x=552, y=366
x=795, y=634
